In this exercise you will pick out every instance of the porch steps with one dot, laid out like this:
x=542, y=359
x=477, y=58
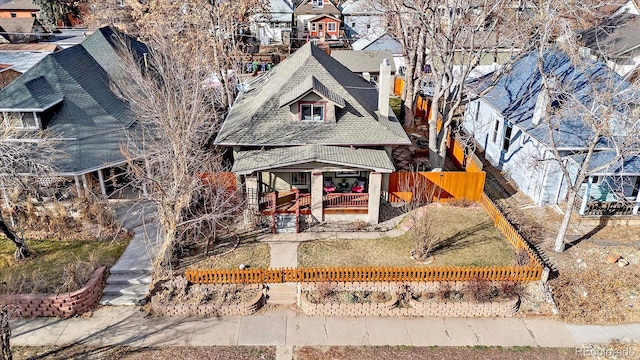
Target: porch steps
x=124, y=293
x=285, y=293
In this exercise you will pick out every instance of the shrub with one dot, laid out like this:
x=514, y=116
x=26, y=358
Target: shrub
x=444, y=290
x=510, y=289
x=479, y=289
x=521, y=257
x=324, y=291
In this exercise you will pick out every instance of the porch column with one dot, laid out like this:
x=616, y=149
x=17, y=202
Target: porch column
x=103, y=189
x=251, y=184
x=85, y=184
x=77, y=181
x=636, y=207
x=585, y=197
x=316, y=195
x=375, y=184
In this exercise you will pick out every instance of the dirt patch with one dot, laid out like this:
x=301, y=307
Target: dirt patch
x=179, y=291
x=133, y=353
x=411, y=353
x=349, y=297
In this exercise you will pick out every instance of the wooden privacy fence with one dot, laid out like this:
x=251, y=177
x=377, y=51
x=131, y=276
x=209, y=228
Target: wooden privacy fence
x=440, y=185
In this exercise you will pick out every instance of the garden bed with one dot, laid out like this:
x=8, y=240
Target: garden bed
x=470, y=240
x=179, y=298
x=460, y=299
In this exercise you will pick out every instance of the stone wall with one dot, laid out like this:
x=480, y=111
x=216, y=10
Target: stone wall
x=59, y=305
x=505, y=308
x=247, y=308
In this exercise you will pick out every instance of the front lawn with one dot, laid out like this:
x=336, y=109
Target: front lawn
x=45, y=273
x=249, y=252
x=469, y=238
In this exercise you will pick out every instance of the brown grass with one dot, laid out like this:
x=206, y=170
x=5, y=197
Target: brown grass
x=136, y=353
x=51, y=270
x=252, y=253
x=470, y=240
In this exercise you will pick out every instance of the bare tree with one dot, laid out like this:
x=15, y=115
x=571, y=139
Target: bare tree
x=449, y=39
x=24, y=156
x=603, y=122
x=170, y=153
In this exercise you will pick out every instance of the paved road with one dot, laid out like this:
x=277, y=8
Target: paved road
x=130, y=326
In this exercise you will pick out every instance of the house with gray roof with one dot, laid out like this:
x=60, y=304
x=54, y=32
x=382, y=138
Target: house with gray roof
x=317, y=135
x=616, y=41
x=23, y=30
x=313, y=9
x=68, y=94
x=508, y=126
x=364, y=63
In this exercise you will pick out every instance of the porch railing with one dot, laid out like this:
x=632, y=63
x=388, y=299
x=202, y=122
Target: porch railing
x=349, y=200
x=605, y=208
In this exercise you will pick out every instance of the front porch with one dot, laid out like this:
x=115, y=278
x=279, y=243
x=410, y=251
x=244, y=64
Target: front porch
x=601, y=199
x=287, y=202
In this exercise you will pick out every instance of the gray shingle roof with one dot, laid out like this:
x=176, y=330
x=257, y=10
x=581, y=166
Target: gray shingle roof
x=308, y=85
x=615, y=36
x=247, y=162
x=91, y=118
x=257, y=119
x=629, y=166
x=306, y=8
x=363, y=60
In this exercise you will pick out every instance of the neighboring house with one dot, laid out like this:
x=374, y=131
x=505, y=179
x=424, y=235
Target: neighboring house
x=364, y=63
x=507, y=125
x=324, y=26
x=308, y=9
x=23, y=30
x=386, y=41
x=364, y=18
x=23, y=57
x=311, y=124
x=7, y=75
x=269, y=27
x=19, y=9
x=616, y=42
x=68, y=94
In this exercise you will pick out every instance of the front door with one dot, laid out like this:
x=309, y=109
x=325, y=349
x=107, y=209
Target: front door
x=320, y=29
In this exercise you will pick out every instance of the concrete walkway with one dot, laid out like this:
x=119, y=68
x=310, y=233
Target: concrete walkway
x=129, y=326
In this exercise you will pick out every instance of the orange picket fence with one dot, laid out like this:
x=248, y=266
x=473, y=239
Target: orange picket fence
x=508, y=230
x=364, y=274
x=398, y=86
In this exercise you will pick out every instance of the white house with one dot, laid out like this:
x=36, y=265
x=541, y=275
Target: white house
x=364, y=18
x=270, y=26
x=507, y=124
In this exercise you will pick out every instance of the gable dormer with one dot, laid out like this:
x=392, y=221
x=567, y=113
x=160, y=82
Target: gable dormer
x=312, y=101
x=26, y=106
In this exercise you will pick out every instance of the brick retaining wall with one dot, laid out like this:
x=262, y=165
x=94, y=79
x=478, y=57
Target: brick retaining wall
x=441, y=309
x=247, y=308
x=59, y=305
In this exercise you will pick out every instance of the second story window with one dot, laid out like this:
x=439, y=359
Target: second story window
x=25, y=120
x=316, y=3
x=312, y=112
x=13, y=14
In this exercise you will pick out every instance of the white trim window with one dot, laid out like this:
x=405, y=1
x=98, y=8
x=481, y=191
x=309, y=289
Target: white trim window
x=331, y=26
x=300, y=180
x=311, y=112
x=313, y=26
x=496, y=127
x=25, y=120
x=508, y=131
x=317, y=3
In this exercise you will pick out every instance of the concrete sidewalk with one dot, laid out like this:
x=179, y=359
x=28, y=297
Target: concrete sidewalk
x=285, y=328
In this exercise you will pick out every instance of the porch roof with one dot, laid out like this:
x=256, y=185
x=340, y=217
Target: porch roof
x=629, y=166
x=247, y=162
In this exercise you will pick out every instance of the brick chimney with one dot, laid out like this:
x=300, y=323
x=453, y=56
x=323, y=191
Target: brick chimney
x=384, y=84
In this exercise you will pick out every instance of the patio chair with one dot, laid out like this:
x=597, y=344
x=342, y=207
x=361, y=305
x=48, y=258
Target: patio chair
x=329, y=186
x=358, y=186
